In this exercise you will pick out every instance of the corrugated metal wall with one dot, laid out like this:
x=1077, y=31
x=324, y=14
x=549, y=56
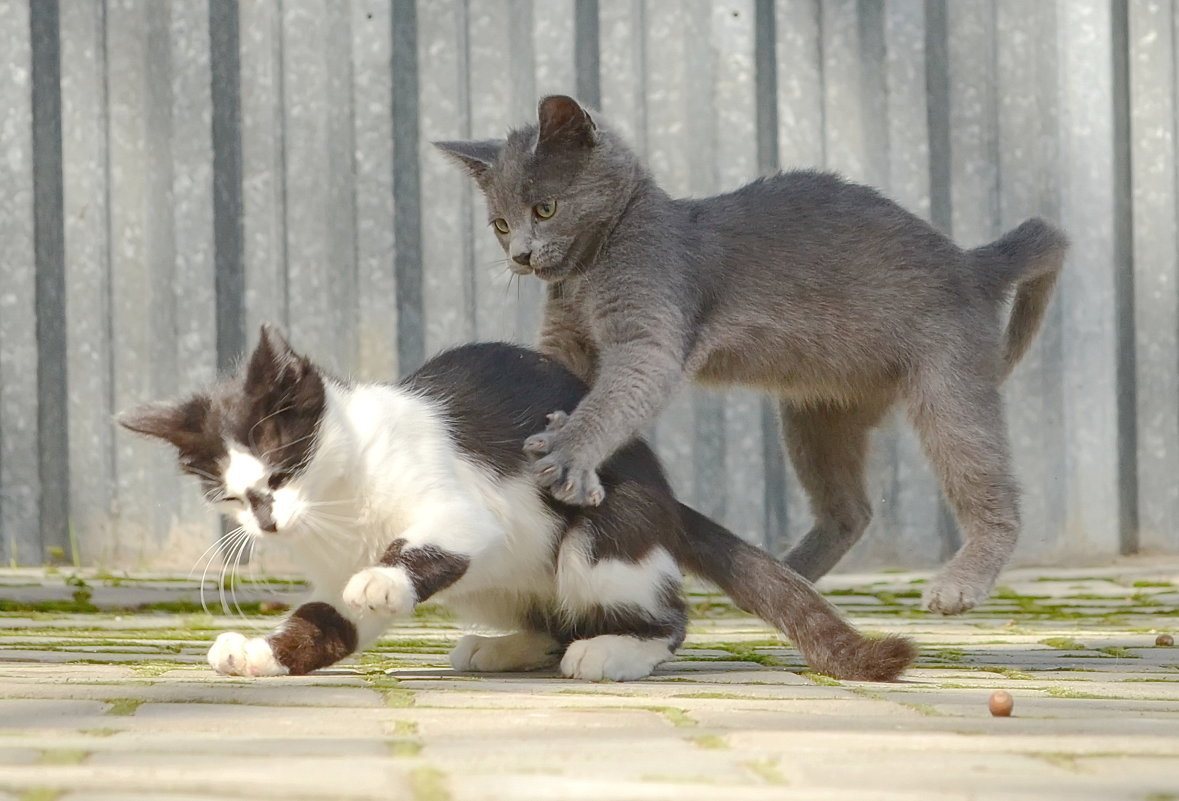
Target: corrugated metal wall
x=174, y=173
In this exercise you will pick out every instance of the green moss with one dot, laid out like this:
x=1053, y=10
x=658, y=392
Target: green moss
x=48, y=607
x=710, y=741
x=1063, y=643
x=433, y=612
x=372, y=670
x=894, y=598
x=155, y=667
x=405, y=728
x=123, y=706
x=99, y=732
x=729, y=696
x=945, y=654
x=767, y=770
x=676, y=716
x=405, y=748
x=1010, y=673
x=820, y=679
x=398, y=698
x=1146, y=583
x=41, y=794
x=412, y=645
x=1120, y=652
x=62, y=756
x=429, y=784
x=927, y=710
x=1068, y=692
x=738, y=652
x=715, y=606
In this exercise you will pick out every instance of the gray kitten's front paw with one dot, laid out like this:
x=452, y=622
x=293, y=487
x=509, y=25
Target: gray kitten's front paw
x=576, y=486
x=950, y=594
x=544, y=442
x=571, y=485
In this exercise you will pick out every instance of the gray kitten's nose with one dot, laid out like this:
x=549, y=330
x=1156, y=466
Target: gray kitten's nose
x=524, y=258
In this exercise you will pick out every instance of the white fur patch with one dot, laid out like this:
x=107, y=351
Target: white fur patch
x=524, y=650
x=233, y=654
x=513, y=571
x=381, y=589
x=244, y=472
x=583, y=583
x=613, y=657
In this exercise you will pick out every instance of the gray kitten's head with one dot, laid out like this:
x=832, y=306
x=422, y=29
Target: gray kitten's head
x=552, y=188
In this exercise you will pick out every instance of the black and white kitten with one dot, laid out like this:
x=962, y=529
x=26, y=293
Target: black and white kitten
x=392, y=494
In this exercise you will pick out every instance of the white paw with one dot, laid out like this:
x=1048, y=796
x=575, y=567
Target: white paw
x=613, y=657
x=525, y=650
x=381, y=589
x=233, y=654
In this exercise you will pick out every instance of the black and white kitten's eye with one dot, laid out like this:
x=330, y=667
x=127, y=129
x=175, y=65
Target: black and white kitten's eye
x=229, y=499
x=501, y=225
x=545, y=209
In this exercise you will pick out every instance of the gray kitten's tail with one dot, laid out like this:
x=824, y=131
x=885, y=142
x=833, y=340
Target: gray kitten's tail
x=760, y=584
x=1030, y=257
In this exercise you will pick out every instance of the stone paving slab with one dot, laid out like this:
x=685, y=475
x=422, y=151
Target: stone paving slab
x=104, y=695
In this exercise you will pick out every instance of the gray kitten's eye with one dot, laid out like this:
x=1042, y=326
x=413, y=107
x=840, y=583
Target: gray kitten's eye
x=545, y=209
x=501, y=225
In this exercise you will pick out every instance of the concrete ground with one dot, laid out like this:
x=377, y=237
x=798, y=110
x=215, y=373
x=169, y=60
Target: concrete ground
x=104, y=695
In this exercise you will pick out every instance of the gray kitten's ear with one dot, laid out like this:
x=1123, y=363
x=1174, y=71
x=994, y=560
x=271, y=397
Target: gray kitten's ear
x=475, y=157
x=178, y=423
x=563, y=123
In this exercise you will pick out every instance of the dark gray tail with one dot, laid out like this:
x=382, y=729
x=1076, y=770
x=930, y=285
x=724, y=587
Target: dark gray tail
x=1030, y=257
x=760, y=584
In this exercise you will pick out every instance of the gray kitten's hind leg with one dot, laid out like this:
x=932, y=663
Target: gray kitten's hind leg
x=960, y=423
x=827, y=445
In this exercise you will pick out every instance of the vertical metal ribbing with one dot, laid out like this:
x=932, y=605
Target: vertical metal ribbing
x=407, y=217
x=225, y=61
x=49, y=248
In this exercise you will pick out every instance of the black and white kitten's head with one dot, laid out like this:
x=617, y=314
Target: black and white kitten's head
x=552, y=189
x=252, y=439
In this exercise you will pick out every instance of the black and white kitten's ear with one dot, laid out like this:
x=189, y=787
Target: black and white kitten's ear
x=563, y=124
x=276, y=370
x=271, y=358
x=475, y=157
x=181, y=424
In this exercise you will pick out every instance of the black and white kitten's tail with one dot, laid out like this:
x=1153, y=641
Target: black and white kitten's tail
x=761, y=585
x=1029, y=256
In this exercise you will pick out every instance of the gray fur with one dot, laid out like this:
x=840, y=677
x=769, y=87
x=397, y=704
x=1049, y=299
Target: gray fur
x=819, y=291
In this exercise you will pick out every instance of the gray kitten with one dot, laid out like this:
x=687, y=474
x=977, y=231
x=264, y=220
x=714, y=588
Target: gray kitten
x=820, y=291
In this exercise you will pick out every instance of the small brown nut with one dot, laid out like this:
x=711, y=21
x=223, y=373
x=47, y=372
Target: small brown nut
x=1164, y=639
x=271, y=607
x=1001, y=703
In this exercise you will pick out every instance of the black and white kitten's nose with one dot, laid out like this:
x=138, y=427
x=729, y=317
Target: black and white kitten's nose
x=262, y=507
x=523, y=259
